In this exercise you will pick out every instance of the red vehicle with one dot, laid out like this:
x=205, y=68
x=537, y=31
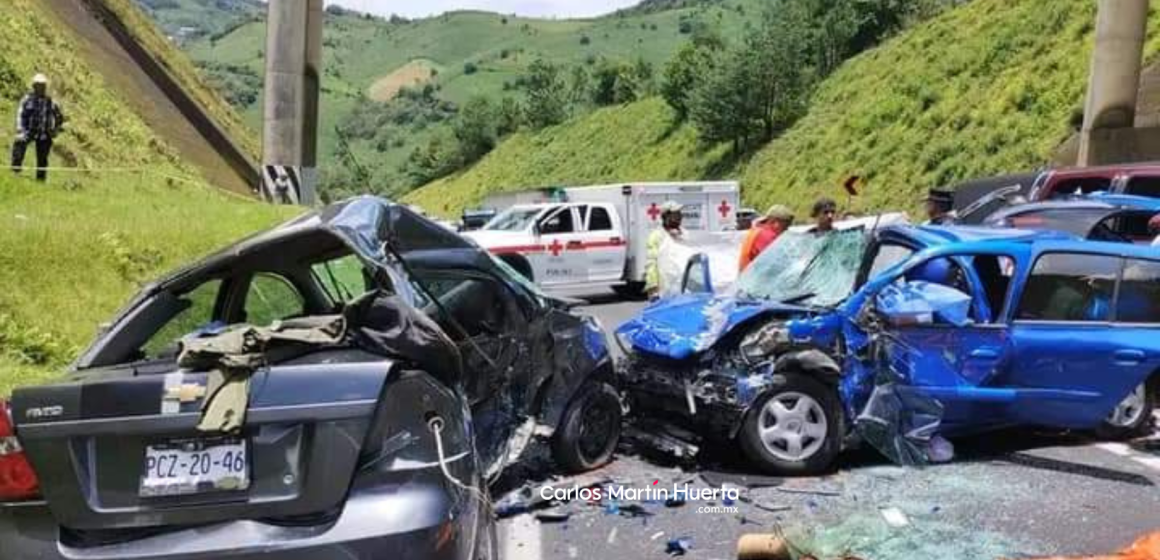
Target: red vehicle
x=976, y=200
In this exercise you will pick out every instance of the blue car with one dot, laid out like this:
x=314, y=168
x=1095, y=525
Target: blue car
x=904, y=335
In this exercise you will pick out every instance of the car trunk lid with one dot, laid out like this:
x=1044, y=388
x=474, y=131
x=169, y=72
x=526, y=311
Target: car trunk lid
x=114, y=449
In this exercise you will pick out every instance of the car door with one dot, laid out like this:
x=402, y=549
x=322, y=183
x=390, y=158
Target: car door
x=605, y=247
x=1082, y=348
x=563, y=259
x=481, y=315
x=961, y=366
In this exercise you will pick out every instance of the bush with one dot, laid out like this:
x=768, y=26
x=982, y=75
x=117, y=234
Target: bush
x=585, y=40
x=470, y=68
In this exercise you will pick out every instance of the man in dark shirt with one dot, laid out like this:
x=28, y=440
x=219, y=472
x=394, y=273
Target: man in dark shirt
x=38, y=121
x=940, y=206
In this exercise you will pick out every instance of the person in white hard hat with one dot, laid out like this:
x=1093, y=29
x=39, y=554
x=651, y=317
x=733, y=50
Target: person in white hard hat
x=38, y=121
x=671, y=219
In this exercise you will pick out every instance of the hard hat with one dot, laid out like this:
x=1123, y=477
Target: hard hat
x=40, y=79
x=671, y=206
x=779, y=212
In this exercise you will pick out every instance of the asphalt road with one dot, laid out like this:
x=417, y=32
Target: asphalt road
x=1006, y=495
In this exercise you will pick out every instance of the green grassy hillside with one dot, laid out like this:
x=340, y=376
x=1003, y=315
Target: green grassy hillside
x=637, y=142
x=74, y=249
x=976, y=91
x=471, y=52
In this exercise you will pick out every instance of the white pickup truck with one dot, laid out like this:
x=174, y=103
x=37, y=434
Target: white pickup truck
x=598, y=235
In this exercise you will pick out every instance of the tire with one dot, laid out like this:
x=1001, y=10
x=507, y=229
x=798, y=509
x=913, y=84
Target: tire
x=807, y=405
x=630, y=290
x=521, y=266
x=1132, y=416
x=589, y=429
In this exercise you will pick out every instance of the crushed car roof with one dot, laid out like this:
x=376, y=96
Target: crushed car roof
x=363, y=223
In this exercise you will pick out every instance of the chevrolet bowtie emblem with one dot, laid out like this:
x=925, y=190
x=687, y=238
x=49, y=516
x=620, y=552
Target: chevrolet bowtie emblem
x=185, y=393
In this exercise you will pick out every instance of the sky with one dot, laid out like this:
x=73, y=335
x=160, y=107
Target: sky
x=537, y=8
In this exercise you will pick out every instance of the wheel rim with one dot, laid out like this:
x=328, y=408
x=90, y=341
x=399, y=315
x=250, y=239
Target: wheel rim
x=595, y=431
x=793, y=426
x=1129, y=411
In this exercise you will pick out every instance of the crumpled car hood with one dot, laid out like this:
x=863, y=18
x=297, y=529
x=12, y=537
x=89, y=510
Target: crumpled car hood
x=684, y=326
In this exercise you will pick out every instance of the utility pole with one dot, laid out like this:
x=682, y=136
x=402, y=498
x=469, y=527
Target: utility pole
x=290, y=129
x=1113, y=85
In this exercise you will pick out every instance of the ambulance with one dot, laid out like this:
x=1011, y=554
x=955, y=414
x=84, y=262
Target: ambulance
x=597, y=235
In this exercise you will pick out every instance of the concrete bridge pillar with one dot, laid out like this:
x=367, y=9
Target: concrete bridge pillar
x=290, y=130
x=1110, y=112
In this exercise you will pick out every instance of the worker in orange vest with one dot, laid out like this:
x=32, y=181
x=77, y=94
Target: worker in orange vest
x=765, y=231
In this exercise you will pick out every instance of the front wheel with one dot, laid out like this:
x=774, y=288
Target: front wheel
x=1132, y=415
x=589, y=430
x=794, y=429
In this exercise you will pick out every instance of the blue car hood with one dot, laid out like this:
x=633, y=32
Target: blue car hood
x=686, y=325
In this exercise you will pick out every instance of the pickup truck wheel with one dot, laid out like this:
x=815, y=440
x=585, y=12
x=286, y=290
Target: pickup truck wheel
x=794, y=429
x=589, y=430
x=1132, y=415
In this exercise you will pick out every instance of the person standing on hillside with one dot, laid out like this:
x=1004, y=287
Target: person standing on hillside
x=775, y=222
x=38, y=121
x=671, y=219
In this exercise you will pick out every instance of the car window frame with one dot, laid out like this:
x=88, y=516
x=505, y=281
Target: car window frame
x=1115, y=319
x=1000, y=319
x=515, y=300
x=237, y=305
x=1030, y=270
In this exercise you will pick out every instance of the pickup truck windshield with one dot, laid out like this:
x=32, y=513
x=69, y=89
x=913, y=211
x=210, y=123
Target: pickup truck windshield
x=804, y=268
x=513, y=219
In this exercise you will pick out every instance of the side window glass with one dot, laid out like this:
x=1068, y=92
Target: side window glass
x=599, y=220
x=479, y=306
x=272, y=298
x=343, y=279
x=558, y=222
x=1085, y=185
x=1139, y=293
x=198, y=315
x=1070, y=287
x=1144, y=186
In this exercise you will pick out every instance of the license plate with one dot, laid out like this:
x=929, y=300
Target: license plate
x=194, y=466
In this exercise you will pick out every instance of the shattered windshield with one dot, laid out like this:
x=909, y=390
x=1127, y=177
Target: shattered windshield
x=805, y=268
x=513, y=219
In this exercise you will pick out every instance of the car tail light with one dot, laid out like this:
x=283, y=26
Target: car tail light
x=17, y=479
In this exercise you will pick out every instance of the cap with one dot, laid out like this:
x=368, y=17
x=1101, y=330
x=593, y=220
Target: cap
x=940, y=196
x=40, y=79
x=671, y=206
x=779, y=212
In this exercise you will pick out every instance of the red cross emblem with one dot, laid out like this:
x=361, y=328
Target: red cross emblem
x=555, y=247
x=724, y=208
x=654, y=212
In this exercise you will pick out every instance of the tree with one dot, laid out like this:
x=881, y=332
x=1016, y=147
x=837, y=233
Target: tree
x=579, y=85
x=436, y=159
x=758, y=87
x=686, y=70
x=617, y=82
x=475, y=130
x=545, y=100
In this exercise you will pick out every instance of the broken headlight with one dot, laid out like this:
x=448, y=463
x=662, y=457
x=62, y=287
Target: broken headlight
x=762, y=344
